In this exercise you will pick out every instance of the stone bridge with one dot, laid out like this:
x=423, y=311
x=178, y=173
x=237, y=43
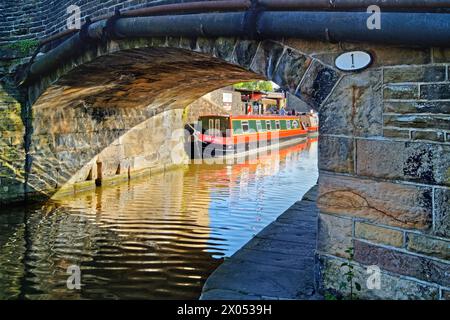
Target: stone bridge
x=108, y=111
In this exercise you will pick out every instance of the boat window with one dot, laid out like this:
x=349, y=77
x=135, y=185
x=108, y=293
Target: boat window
x=259, y=125
x=278, y=124
x=217, y=128
x=245, y=126
x=268, y=125
x=211, y=124
x=288, y=124
x=237, y=126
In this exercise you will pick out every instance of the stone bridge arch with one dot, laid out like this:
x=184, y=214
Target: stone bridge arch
x=88, y=111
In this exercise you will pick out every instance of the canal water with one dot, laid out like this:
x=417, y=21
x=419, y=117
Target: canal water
x=153, y=238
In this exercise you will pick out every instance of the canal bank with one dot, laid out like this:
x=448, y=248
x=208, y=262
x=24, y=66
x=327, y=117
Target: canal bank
x=278, y=263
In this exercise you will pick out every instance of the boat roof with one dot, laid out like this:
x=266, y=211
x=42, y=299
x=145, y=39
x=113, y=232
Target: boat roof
x=253, y=117
x=264, y=117
x=215, y=116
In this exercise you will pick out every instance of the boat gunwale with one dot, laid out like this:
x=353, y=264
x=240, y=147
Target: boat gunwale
x=253, y=117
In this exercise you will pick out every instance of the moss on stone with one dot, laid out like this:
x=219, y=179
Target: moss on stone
x=23, y=46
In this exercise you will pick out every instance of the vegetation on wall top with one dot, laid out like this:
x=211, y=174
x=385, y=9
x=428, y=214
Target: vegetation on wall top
x=255, y=86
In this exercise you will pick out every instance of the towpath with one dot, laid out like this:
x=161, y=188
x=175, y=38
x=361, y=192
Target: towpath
x=278, y=263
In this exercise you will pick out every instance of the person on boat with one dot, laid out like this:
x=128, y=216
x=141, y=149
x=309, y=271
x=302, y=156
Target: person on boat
x=282, y=112
x=271, y=110
x=256, y=108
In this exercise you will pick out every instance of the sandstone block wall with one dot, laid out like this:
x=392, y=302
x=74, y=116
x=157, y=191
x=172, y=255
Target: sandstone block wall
x=212, y=103
x=112, y=146
x=385, y=177
x=12, y=129
x=12, y=154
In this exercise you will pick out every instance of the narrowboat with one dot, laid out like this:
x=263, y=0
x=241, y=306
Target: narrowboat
x=234, y=135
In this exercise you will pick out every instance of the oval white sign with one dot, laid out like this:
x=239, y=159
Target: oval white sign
x=353, y=61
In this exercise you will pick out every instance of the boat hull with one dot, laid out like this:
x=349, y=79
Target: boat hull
x=313, y=132
x=215, y=150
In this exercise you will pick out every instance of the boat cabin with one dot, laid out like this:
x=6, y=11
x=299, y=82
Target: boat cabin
x=242, y=125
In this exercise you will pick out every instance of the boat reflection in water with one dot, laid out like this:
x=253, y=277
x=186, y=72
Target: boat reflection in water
x=154, y=238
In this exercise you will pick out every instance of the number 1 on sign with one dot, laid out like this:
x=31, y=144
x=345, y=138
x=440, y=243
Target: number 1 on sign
x=353, y=61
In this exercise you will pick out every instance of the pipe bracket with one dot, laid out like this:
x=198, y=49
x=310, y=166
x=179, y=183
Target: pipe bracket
x=251, y=20
x=109, y=31
x=84, y=32
x=328, y=37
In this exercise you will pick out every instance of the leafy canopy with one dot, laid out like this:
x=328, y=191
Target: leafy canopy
x=255, y=86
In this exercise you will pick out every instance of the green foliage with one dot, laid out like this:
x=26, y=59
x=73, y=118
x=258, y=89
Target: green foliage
x=24, y=46
x=349, y=274
x=255, y=86
x=329, y=296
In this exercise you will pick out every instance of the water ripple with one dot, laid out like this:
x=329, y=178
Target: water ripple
x=156, y=238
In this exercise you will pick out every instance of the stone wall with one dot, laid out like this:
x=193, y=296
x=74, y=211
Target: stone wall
x=294, y=103
x=12, y=128
x=212, y=103
x=101, y=147
x=22, y=20
x=36, y=19
x=237, y=106
x=12, y=155
x=385, y=176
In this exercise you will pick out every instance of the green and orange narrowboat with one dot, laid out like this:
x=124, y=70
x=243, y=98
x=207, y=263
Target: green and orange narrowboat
x=237, y=134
